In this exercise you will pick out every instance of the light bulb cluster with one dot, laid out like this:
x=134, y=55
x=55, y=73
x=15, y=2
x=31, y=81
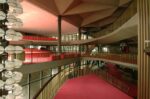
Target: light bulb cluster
x=9, y=79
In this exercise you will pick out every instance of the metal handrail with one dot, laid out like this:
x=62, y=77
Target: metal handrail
x=128, y=58
x=38, y=93
x=50, y=80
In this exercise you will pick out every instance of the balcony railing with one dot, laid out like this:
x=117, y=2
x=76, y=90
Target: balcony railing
x=52, y=85
x=127, y=58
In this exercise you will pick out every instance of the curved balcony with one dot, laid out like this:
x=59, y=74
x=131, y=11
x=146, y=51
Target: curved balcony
x=127, y=60
x=52, y=85
x=47, y=58
x=50, y=88
x=127, y=14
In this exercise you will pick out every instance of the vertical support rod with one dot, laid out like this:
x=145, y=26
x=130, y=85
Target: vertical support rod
x=41, y=75
x=79, y=38
x=87, y=46
x=29, y=86
x=59, y=34
x=80, y=51
x=59, y=39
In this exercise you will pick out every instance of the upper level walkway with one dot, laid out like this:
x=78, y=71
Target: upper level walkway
x=89, y=87
x=125, y=60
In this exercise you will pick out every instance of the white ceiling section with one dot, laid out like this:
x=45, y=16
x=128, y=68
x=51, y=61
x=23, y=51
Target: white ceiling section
x=40, y=16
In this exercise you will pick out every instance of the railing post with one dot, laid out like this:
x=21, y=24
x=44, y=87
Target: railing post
x=29, y=86
x=59, y=34
x=41, y=75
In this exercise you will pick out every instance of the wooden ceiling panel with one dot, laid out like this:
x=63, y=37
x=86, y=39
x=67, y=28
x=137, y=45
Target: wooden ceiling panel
x=98, y=16
x=74, y=19
x=63, y=5
x=102, y=23
x=87, y=7
x=105, y=2
x=122, y=2
x=43, y=14
x=48, y=5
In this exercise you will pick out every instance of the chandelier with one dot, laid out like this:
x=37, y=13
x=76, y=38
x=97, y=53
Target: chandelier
x=9, y=79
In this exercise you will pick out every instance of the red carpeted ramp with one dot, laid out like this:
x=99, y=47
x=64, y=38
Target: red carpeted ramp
x=89, y=87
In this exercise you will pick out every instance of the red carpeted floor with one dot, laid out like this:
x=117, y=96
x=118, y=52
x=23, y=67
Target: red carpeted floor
x=89, y=87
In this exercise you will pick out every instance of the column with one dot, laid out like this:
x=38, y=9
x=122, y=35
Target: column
x=80, y=51
x=79, y=38
x=59, y=41
x=59, y=34
x=143, y=58
x=87, y=46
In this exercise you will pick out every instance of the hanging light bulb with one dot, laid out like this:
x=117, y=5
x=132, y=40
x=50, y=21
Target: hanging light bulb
x=17, y=24
x=1, y=83
x=13, y=36
x=2, y=32
x=17, y=90
x=9, y=65
x=10, y=8
x=8, y=74
x=1, y=67
x=1, y=50
x=10, y=81
x=9, y=87
x=12, y=3
x=15, y=11
x=2, y=15
x=17, y=76
x=18, y=9
x=18, y=36
x=10, y=31
x=18, y=63
x=2, y=1
x=14, y=49
x=11, y=18
x=10, y=49
x=18, y=49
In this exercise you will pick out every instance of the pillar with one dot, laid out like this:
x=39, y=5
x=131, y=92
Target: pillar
x=59, y=39
x=79, y=38
x=143, y=58
x=87, y=46
x=80, y=51
x=59, y=34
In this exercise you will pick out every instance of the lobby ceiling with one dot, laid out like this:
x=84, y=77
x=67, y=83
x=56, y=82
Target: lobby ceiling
x=40, y=16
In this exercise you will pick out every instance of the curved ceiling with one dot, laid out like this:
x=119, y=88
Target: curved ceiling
x=40, y=16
